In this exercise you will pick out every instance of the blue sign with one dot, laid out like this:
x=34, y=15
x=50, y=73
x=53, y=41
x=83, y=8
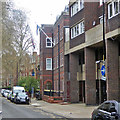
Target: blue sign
x=103, y=70
x=33, y=73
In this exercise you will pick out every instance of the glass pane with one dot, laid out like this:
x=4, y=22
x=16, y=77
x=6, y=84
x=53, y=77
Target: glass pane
x=48, y=44
x=111, y=13
x=116, y=7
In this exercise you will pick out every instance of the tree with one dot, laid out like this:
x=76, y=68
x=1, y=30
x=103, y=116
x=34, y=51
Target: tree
x=28, y=83
x=16, y=39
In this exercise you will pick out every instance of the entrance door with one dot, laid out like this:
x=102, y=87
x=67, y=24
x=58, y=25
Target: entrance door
x=68, y=91
x=103, y=97
x=82, y=91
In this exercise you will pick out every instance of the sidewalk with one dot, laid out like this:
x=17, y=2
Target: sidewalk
x=74, y=110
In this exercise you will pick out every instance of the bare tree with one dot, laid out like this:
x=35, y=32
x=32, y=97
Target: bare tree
x=16, y=39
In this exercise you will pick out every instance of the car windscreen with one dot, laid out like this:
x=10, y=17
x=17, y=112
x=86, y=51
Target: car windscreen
x=22, y=95
x=16, y=91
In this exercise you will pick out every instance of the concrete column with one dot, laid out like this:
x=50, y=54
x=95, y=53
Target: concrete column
x=74, y=84
x=90, y=83
x=112, y=65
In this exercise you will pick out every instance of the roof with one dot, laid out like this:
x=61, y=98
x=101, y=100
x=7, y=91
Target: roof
x=71, y=2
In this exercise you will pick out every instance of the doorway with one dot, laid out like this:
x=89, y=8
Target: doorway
x=103, y=97
x=82, y=91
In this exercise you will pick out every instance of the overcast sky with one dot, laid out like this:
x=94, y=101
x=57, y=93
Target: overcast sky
x=41, y=12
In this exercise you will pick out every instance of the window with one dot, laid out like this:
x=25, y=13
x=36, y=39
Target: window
x=77, y=6
x=61, y=59
x=66, y=34
x=113, y=8
x=48, y=42
x=48, y=63
x=77, y=29
x=101, y=2
x=57, y=61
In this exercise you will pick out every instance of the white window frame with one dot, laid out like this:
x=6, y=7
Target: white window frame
x=77, y=30
x=49, y=42
x=76, y=7
x=101, y=2
x=113, y=8
x=48, y=68
x=67, y=34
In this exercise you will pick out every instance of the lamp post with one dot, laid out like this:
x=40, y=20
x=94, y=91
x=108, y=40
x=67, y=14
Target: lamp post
x=58, y=60
x=104, y=47
x=104, y=56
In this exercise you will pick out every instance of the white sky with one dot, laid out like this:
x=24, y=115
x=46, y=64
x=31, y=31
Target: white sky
x=41, y=12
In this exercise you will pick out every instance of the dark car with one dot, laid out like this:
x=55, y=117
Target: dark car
x=21, y=97
x=109, y=110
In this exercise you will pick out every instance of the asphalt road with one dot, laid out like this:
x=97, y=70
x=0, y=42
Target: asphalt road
x=11, y=110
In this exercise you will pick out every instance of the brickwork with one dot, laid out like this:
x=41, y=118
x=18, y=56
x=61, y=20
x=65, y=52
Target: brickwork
x=74, y=84
x=113, y=85
x=90, y=83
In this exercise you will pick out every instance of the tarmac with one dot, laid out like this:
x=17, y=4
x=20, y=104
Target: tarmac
x=67, y=110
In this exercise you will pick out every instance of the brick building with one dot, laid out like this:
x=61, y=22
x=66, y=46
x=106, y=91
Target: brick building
x=46, y=57
x=77, y=65
x=61, y=33
x=51, y=60
x=85, y=51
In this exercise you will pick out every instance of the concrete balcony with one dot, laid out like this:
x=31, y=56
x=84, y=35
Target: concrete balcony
x=94, y=35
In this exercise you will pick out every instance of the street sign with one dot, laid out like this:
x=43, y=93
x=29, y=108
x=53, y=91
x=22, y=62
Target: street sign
x=103, y=78
x=33, y=73
x=103, y=70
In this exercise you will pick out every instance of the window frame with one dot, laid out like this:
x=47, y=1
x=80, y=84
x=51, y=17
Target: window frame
x=112, y=4
x=48, y=42
x=76, y=7
x=48, y=63
x=78, y=29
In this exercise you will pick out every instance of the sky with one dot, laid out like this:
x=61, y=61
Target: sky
x=41, y=12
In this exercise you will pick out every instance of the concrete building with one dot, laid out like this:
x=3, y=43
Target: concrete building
x=86, y=51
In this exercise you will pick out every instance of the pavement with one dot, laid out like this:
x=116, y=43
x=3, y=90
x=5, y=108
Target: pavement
x=73, y=110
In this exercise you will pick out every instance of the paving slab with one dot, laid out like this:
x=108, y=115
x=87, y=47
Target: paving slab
x=74, y=110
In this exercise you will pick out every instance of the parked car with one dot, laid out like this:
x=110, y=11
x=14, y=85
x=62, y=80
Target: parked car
x=5, y=93
x=9, y=95
x=21, y=97
x=14, y=93
x=2, y=91
x=109, y=110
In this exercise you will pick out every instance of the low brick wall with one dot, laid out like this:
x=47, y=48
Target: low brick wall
x=52, y=99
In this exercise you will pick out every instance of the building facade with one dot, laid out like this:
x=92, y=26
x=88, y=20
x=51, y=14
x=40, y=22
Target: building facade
x=46, y=58
x=61, y=28
x=73, y=68
x=86, y=51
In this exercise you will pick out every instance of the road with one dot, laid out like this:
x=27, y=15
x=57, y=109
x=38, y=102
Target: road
x=11, y=110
